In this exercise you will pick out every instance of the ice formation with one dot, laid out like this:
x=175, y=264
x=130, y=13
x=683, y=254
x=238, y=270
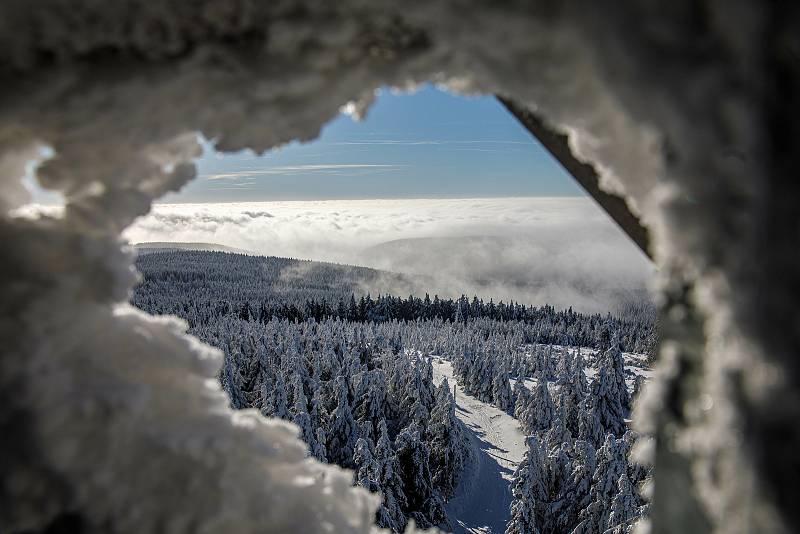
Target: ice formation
x=112, y=418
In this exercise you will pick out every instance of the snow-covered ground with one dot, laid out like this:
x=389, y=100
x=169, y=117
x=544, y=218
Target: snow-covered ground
x=483, y=498
x=481, y=504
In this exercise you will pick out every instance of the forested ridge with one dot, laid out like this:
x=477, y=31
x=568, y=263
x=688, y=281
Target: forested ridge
x=357, y=379
x=200, y=286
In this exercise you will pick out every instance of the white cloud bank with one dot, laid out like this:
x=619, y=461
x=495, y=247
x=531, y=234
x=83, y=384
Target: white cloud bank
x=563, y=251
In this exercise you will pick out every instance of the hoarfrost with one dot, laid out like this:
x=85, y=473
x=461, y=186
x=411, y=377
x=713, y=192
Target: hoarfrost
x=678, y=106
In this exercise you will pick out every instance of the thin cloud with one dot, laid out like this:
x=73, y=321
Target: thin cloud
x=476, y=149
x=286, y=170
x=386, y=142
x=427, y=142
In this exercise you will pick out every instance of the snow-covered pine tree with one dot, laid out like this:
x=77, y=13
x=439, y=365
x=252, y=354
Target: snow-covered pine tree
x=611, y=464
x=480, y=380
x=427, y=388
x=540, y=412
x=529, y=491
x=610, y=392
x=522, y=397
x=267, y=388
x=564, y=368
x=460, y=317
x=398, y=374
x=501, y=390
x=366, y=466
x=319, y=450
x=280, y=400
x=342, y=429
x=575, y=495
x=559, y=468
x=229, y=377
x=447, y=442
x=301, y=417
x=572, y=391
x=624, y=508
x=557, y=434
x=413, y=457
x=637, y=472
x=548, y=368
x=579, y=371
x=318, y=412
x=390, y=514
x=370, y=397
x=590, y=429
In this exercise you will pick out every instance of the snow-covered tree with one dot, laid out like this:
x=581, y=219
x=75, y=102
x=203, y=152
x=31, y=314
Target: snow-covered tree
x=522, y=396
x=413, y=456
x=576, y=493
x=280, y=399
x=559, y=487
x=564, y=367
x=590, y=427
x=501, y=390
x=447, y=442
x=319, y=449
x=371, y=392
x=572, y=391
x=342, y=430
x=624, y=508
x=610, y=393
x=557, y=434
x=540, y=412
x=366, y=466
x=390, y=514
x=611, y=465
x=529, y=491
x=301, y=417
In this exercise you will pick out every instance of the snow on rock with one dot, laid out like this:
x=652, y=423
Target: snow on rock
x=482, y=500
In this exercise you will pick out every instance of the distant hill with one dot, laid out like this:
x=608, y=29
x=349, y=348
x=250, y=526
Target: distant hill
x=161, y=246
x=181, y=277
x=204, y=287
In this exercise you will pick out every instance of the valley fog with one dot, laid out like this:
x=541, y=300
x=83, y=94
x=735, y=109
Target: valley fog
x=559, y=251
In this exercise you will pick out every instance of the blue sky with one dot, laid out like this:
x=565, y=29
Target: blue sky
x=427, y=144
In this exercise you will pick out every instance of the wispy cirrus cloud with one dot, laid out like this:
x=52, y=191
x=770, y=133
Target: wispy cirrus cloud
x=427, y=142
x=476, y=149
x=289, y=170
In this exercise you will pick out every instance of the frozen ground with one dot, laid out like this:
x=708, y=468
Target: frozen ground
x=483, y=498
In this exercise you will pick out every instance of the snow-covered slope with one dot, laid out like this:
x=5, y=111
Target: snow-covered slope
x=481, y=504
x=482, y=500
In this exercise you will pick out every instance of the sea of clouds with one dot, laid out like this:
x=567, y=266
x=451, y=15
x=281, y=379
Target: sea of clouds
x=561, y=251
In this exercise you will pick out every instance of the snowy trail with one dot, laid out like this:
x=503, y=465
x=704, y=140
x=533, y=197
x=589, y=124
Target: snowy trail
x=482, y=500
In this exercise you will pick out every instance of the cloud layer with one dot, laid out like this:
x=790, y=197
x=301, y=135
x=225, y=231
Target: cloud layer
x=563, y=251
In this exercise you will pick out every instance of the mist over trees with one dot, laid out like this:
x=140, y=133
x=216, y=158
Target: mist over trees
x=200, y=285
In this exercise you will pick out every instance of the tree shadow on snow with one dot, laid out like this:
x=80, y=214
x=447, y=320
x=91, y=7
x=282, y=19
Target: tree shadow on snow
x=484, y=506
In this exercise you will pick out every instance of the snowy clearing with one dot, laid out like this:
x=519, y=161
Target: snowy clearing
x=482, y=500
